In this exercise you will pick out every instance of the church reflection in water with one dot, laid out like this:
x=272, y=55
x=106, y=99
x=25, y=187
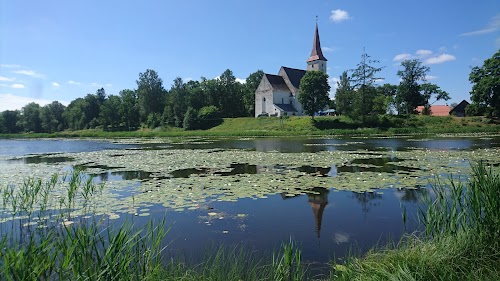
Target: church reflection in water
x=317, y=199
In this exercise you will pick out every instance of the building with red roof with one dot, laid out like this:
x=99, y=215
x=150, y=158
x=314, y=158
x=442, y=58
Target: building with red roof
x=436, y=110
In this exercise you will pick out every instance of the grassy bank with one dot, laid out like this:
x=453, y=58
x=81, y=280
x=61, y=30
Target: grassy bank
x=461, y=240
x=272, y=126
x=43, y=237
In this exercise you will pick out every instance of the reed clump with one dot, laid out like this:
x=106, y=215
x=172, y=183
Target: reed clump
x=49, y=231
x=460, y=239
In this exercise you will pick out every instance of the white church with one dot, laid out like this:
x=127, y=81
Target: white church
x=277, y=94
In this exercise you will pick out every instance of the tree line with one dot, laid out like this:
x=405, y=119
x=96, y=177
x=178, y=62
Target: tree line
x=202, y=104
x=190, y=105
x=358, y=96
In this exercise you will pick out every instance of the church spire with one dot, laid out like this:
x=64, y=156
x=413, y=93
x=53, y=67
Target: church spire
x=316, y=53
x=317, y=60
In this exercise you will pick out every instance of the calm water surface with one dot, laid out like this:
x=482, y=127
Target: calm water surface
x=327, y=223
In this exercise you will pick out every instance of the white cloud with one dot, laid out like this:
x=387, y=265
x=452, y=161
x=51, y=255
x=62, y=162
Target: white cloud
x=2, y=78
x=430, y=77
x=109, y=85
x=423, y=52
x=29, y=73
x=10, y=65
x=13, y=102
x=327, y=49
x=427, y=56
x=242, y=81
x=402, y=57
x=14, y=86
x=440, y=59
x=55, y=84
x=94, y=84
x=71, y=82
x=493, y=25
x=333, y=86
x=17, y=86
x=339, y=16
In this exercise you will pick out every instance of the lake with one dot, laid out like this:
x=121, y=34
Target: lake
x=331, y=195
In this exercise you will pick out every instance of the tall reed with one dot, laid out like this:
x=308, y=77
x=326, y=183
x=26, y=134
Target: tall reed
x=461, y=238
x=46, y=247
x=50, y=240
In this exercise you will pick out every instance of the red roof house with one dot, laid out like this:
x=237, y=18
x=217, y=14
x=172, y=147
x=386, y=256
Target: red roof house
x=436, y=110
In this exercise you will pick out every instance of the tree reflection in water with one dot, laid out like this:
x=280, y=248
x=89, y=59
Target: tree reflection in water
x=367, y=199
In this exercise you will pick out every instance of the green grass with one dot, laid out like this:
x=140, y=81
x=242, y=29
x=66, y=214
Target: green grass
x=291, y=126
x=461, y=240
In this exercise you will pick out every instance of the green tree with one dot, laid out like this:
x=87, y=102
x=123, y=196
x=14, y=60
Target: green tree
x=196, y=98
x=51, y=116
x=208, y=117
x=190, y=119
x=91, y=109
x=74, y=114
x=129, y=109
x=251, y=84
x=30, y=118
x=313, y=92
x=231, y=95
x=151, y=93
x=10, y=121
x=427, y=91
x=384, y=101
x=176, y=104
x=344, y=94
x=363, y=81
x=408, y=96
x=485, y=94
x=101, y=96
x=110, y=116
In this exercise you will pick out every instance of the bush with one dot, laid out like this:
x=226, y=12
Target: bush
x=208, y=117
x=154, y=120
x=190, y=119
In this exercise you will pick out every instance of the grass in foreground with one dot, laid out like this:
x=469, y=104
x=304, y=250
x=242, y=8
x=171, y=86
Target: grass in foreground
x=42, y=238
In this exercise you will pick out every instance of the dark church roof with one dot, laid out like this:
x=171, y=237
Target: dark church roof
x=316, y=53
x=286, y=107
x=294, y=75
x=277, y=82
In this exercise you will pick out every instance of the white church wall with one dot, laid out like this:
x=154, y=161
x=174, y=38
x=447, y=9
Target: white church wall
x=264, y=98
x=281, y=97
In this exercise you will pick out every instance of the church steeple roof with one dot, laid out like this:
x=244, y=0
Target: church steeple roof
x=316, y=53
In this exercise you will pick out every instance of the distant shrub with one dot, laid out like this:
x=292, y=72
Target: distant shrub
x=190, y=119
x=208, y=117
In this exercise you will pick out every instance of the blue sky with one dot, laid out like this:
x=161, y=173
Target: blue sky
x=62, y=50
